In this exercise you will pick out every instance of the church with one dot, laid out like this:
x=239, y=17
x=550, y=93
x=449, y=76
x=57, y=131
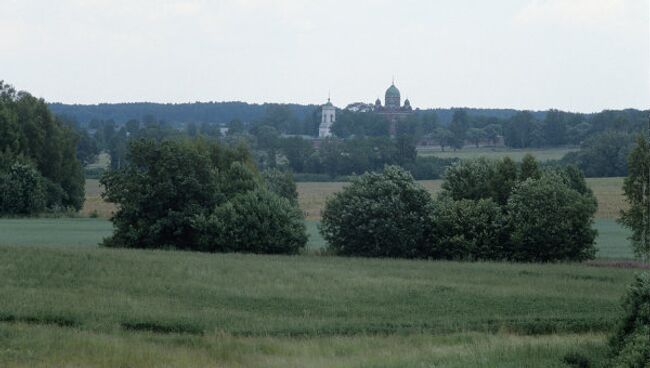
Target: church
x=392, y=110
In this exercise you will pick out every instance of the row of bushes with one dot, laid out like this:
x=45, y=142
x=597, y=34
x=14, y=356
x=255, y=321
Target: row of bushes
x=488, y=210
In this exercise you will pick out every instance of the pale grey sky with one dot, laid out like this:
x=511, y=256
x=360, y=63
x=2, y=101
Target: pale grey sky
x=577, y=55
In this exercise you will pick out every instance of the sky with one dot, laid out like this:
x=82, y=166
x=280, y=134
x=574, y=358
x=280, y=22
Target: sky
x=574, y=55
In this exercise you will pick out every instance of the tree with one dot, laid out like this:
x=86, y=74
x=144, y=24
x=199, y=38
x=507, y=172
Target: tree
x=30, y=133
x=636, y=188
x=469, y=179
x=382, y=214
x=630, y=345
x=503, y=180
x=468, y=230
x=235, y=127
x=458, y=128
x=22, y=191
x=550, y=221
x=256, y=221
x=282, y=184
x=444, y=137
x=492, y=133
x=529, y=168
x=475, y=135
x=603, y=155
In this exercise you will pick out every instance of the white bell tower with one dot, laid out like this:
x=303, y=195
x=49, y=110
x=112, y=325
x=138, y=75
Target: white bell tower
x=328, y=117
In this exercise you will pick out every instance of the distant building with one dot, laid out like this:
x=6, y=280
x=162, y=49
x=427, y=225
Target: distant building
x=393, y=110
x=328, y=117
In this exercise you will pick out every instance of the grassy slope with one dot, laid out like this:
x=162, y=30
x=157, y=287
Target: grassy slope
x=93, y=307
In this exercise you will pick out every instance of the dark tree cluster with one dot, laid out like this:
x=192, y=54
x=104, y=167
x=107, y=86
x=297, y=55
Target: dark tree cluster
x=488, y=210
x=201, y=195
x=39, y=168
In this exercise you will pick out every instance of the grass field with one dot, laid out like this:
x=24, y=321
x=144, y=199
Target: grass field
x=609, y=194
x=66, y=302
x=81, y=306
x=469, y=152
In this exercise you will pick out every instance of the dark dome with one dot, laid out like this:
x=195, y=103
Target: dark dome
x=392, y=91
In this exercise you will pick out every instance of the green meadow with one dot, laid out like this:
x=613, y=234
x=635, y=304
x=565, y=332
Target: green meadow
x=89, y=306
x=68, y=303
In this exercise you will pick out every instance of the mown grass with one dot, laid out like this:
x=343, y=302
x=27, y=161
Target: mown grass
x=469, y=152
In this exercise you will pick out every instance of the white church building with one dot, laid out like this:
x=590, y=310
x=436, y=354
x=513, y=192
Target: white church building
x=328, y=117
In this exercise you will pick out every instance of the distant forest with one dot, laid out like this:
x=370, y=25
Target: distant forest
x=280, y=134
x=180, y=114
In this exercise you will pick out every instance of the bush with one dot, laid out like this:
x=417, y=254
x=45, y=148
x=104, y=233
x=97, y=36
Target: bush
x=631, y=343
x=22, y=191
x=379, y=215
x=468, y=230
x=194, y=195
x=282, y=184
x=550, y=221
x=253, y=222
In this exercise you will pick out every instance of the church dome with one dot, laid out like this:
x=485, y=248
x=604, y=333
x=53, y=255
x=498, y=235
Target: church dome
x=392, y=91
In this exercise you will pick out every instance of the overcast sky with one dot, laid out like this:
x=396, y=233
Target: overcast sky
x=577, y=55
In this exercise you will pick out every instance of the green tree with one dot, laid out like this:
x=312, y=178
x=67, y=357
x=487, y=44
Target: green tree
x=630, y=345
x=469, y=179
x=529, y=168
x=468, y=230
x=256, y=221
x=458, y=128
x=475, y=135
x=282, y=184
x=22, y=191
x=637, y=192
x=550, y=221
x=379, y=215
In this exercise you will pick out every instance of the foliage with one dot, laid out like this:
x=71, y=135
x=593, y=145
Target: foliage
x=29, y=132
x=22, y=191
x=550, y=221
x=636, y=188
x=282, y=184
x=631, y=343
x=256, y=221
x=378, y=215
x=468, y=230
x=192, y=195
x=603, y=155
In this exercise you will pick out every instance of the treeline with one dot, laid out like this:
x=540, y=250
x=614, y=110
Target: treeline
x=177, y=114
x=38, y=166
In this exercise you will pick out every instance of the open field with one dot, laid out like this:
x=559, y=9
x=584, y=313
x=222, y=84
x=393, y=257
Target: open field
x=67, y=302
x=83, y=306
x=469, y=152
x=609, y=194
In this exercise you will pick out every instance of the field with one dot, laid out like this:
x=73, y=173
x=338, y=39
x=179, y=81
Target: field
x=67, y=302
x=81, y=306
x=469, y=152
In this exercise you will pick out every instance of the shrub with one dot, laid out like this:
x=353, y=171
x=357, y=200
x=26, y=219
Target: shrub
x=195, y=195
x=253, y=222
x=469, y=179
x=282, y=184
x=631, y=343
x=382, y=214
x=22, y=190
x=550, y=221
x=468, y=230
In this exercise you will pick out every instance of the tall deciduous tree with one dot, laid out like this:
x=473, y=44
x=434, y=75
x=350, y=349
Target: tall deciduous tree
x=637, y=192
